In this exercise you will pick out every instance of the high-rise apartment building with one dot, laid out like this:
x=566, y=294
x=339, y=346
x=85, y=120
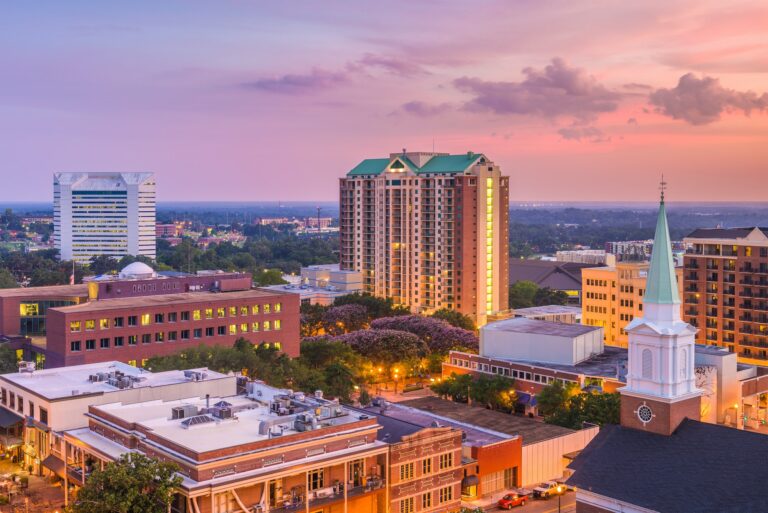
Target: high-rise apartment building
x=110, y=214
x=613, y=296
x=429, y=230
x=726, y=290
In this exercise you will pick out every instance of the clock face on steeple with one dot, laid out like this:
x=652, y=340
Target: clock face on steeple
x=645, y=414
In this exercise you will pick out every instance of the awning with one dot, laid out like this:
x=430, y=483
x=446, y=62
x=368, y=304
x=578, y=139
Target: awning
x=524, y=398
x=55, y=464
x=10, y=441
x=470, y=481
x=8, y=418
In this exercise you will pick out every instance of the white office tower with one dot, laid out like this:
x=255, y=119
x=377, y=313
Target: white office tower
x=109, y=214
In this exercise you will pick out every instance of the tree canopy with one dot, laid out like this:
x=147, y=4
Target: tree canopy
x=132, y=484
x=525, y=294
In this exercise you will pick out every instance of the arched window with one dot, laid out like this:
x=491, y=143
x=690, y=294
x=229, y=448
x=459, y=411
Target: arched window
x=647, y=364
x=684, y=363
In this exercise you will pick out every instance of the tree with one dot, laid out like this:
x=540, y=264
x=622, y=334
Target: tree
x=8, y=360
x=439, y=336
x=312, y=319
x=522, y=293
x=454, y=318
x=377, y=307
x=555, y=397
x=132, y=484
x=594, y=408
x=269, y=277
x=341, y=319
x=102, y=264
x=493, y=392
x=386, y=347
x=455, y=386
x=547, y=296
x=339, y=381
x=7, y=281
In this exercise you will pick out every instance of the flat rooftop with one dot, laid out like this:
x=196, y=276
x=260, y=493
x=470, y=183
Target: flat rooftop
x=532, y=431
x=536, y=327
x=47, y=291
x=548, y=310
x=167, y=300
x=74, y=381
x=214, y=434
x=398, y=420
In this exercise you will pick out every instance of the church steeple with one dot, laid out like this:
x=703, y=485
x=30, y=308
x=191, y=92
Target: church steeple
x=662, y=283
x=661, y=384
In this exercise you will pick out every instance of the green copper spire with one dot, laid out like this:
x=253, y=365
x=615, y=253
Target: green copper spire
x=661, y=287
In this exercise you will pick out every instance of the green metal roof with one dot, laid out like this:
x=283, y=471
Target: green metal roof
x=437, y=164
x=369, y=167
x=661, y=287
x=450, y=163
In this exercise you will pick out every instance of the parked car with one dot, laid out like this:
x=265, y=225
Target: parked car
x=512, y=499
x=548, y=489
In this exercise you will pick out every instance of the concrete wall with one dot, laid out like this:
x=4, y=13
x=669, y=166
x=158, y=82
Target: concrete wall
x=544, y=461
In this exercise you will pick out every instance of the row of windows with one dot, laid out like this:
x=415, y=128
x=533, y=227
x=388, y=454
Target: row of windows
x=444, y=495
x=407, y=470
x=16, y=402
x=160, y=318
x=172, y=336
x=504, y=371
x=597, y=309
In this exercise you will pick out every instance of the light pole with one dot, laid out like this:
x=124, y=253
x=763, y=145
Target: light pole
x=559, y=496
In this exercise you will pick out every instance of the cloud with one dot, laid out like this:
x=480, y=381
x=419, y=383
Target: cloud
x=423, y=109
x=557, y=90
x=390, y=64
x=700, y=101
x=636, y=86
x=315, y=80
x=579, y=133
x=632, y=121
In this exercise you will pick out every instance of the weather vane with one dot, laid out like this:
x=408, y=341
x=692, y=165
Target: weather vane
x=662, y=187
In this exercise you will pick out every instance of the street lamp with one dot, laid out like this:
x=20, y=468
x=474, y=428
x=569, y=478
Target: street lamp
x=559, y=496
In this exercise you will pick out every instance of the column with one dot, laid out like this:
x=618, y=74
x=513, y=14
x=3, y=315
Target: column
x=345, y=480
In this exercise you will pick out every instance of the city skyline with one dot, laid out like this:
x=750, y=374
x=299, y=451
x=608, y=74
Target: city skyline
x=195, y=90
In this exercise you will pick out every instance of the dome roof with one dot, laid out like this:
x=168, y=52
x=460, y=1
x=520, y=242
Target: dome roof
x=137, y=270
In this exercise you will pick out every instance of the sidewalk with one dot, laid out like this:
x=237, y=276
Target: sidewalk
x=41, y=496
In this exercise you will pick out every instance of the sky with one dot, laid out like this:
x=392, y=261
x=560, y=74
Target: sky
x=249, y=100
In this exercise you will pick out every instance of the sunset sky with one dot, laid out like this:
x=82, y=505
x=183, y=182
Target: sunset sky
x=256, y=100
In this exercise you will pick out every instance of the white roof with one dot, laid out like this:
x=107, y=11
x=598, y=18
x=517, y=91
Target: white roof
x=137, y=270
x=101, y=181
x=74, y=381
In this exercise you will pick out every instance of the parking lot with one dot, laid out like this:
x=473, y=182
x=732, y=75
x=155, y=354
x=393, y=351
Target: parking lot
x=567, y=505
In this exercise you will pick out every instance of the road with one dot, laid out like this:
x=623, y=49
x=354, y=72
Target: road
x=568, y=505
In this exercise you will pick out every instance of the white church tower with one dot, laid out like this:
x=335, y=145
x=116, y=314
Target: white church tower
x=661, y=389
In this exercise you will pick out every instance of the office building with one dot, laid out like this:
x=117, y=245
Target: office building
x=612, y=297
x=141, y=313
x=111, y=214
x=429, y=230
x=726, y=290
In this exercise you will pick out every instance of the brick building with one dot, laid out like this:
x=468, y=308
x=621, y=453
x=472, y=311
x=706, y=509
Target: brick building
x=140, y=313
x=726, y=290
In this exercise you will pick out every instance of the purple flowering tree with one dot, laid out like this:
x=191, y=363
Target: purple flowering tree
x=439, y=335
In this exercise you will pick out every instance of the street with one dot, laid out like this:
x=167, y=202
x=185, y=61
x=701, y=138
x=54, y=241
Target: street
x=567, y=505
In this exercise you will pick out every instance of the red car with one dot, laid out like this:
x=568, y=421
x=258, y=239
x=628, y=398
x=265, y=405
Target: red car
x=512, y=499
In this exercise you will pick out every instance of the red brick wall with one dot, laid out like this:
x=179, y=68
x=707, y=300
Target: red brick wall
x=667, y=416
x=58, y=351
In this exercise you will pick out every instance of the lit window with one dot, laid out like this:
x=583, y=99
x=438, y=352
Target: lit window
x=104, y=324
x=145, y=319
x=232, y=311
x=266, y=309
x=209, y=313
x=221, y=312
x=244, y=328
x=195, y=315
x=255, y=309
x=277, y=324
x=278, y=345
x=243, y=310
x=233, y=329
x=74, y=326
x=266, y=326
x=278, y=307
x=255, y=327
x=90, y=325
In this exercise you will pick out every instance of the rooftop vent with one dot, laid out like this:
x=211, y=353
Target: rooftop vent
x=183, y=412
